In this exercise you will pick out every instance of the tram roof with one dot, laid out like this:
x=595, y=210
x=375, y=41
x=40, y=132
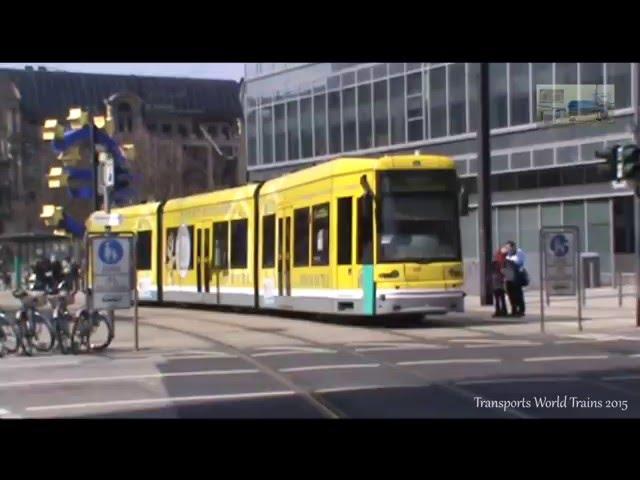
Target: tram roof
x=219, y=196
x=349, y=165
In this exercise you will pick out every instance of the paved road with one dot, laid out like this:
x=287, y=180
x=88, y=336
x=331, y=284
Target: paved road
x=202, y=364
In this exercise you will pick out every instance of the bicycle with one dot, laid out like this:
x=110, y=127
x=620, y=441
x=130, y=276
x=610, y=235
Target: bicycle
x=34, y=330
x=91, y=325
x=61, y=317
x=8, y=336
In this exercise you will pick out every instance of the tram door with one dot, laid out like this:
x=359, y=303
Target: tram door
x=203, y=258
x=284, y=253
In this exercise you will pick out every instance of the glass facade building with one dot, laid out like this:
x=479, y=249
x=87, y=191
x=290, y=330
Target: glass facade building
x=304, y=113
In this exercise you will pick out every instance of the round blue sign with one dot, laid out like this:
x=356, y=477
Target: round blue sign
x=110, y=252
x=559, y=245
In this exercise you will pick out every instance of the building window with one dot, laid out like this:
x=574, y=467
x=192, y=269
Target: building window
x=567, y=154
x=365, y=124
x=457, y=99
x=397, y=103
x=293, y=137
x=473, y=82
x=320, y=235
x=166, y=128
x=280, y=132
x=498, y=95
x=221, y=242
x=349, y=119
x=381, y=113
x=438, y=101
x=619, y=74
x=152, y=127
x=521, y=160
x=306, y=128
x=239, y=243
x=182, y=130
x=542, y=74
x=622, y=219
x=529, y=233
x=252, y=137
x=320, y=124
x=267, y=134
x=519, y=93
x=573, y=214
x=124, y=117
x=469, y=232
x=301, y=237
x=566, y=73
x=542, y=158
x=507, y=225
x=345, y=218
x=268, y=241
x=335, y=134
x=226, y=131
x=599, y=232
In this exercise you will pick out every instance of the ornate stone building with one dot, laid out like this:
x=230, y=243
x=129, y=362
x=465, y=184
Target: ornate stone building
x=186, y=134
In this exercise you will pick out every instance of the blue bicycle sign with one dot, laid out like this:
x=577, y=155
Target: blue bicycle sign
x=110, y=252
x=559, y=245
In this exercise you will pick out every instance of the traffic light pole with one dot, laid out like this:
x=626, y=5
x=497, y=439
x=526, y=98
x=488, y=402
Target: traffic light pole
x=636, y=124
x=94, y=161
x=484, y=187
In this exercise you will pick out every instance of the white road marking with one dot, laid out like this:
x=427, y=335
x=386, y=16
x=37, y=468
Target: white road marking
x=351, y=388
x=4, y=412
x=402, y=347
x=567, y=357
x=634, y=355
x=520, y=344
x=618, y=378
x=329, y=367
x=516, y=380
x=170, y=400
x=119, y=378
x=295, y=348
x=451, y=361
x=276, y=354
x=198, y=356
x=40, y=364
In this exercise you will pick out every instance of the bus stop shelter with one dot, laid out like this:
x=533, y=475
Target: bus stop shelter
x=21, y=249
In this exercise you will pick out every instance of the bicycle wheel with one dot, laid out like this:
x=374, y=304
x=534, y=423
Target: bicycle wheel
x=63, y=322
x=8, y=336
x=24, y=335
x=80, y=333
x=44, y=338
x=101, y=332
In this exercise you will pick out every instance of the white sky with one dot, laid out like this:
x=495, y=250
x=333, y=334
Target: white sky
x=233, y=71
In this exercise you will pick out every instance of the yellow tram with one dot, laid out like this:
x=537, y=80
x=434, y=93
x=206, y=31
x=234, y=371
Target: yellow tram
x=352, y=236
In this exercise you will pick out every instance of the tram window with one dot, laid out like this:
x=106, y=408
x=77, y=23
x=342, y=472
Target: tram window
x=320, y=238
x=239, y=243
x=365, y=234
x=220, y=241
x=268, y=241
x=301, y=237
x=345, y=213
x=143, y=250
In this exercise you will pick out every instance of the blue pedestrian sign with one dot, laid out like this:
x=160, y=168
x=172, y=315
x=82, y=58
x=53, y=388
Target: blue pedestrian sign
x=559, y=245
x=110, y=252
x=112, y=274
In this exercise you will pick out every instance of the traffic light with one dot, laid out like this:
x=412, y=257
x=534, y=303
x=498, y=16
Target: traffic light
x=623, y=162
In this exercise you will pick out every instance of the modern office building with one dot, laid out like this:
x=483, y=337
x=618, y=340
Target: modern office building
x=542, y=173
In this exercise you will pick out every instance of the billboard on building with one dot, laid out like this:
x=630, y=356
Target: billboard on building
x=570, y=103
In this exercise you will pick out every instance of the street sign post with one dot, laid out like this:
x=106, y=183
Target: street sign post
x=111, y=272
x=560, y=266
x=114, y=277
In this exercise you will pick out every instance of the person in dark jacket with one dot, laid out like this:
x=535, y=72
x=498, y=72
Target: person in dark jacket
x=497, y=281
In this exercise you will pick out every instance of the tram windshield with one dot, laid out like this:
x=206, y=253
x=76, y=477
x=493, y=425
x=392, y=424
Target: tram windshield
x=418, y=217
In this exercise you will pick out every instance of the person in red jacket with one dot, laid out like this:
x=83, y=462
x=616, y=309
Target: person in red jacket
x=497, y=282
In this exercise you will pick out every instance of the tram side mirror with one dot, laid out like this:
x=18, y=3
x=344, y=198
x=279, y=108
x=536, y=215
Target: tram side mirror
x=463, y=201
